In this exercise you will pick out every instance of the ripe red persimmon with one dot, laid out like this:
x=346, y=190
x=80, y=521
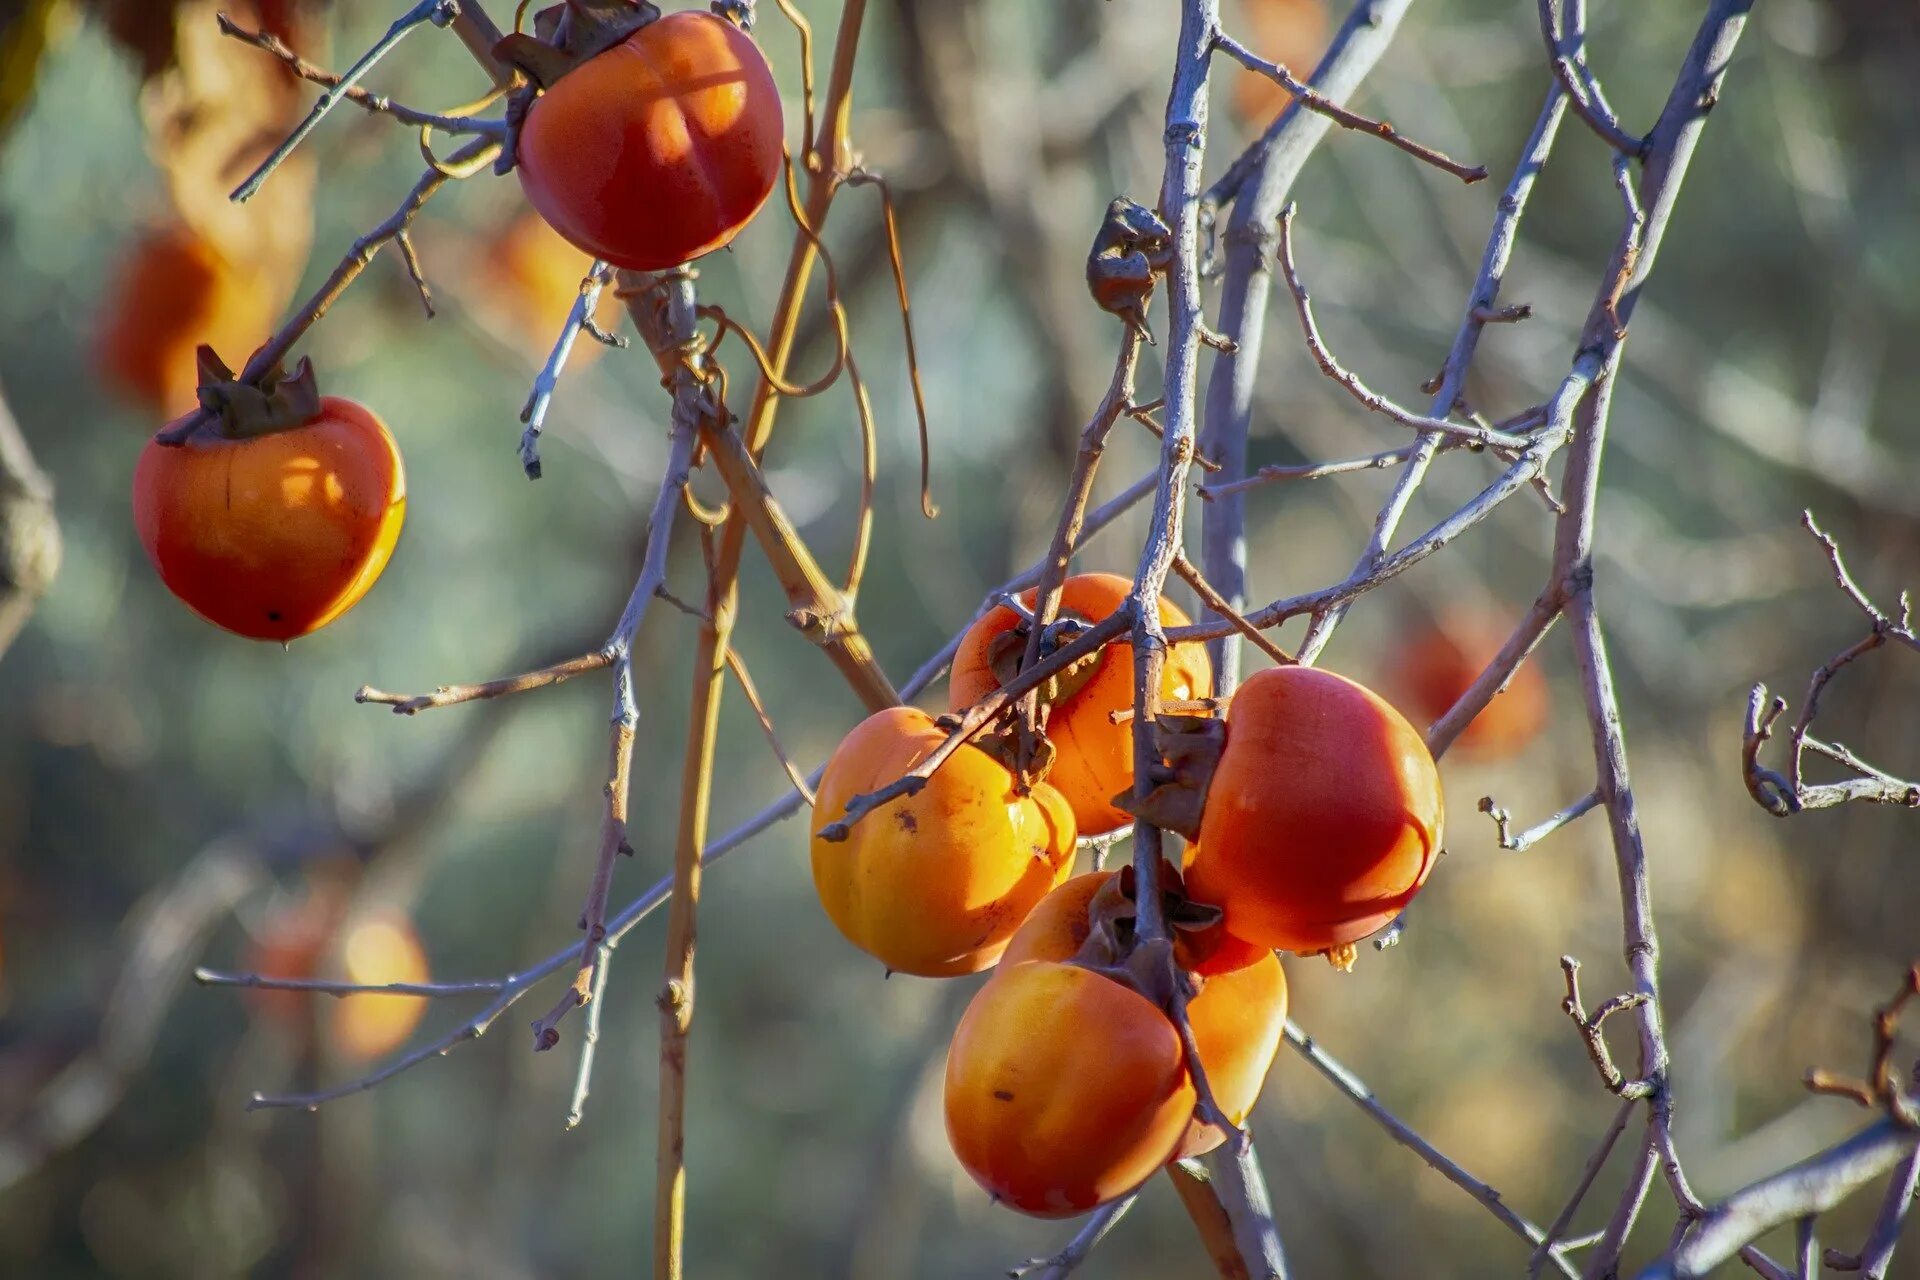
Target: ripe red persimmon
x=659, y=149
x=1064, y=1089
x=1093, y=759
x=273, y=536
x=934, y=883
x=1237, y=1018
x=1323, y=816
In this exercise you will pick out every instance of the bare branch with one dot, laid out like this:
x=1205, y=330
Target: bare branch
x=1352, y=1086
x=1340, y=115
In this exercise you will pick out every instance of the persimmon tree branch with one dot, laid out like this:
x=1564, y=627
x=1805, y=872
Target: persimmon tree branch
x=579, y=320
x=376, y=104
x=1810, y=1187
x=439, y=13
x=1784, y=796
x=1355, y=1089
x=1340, y=115
x=463, y=163
x=1268, y=170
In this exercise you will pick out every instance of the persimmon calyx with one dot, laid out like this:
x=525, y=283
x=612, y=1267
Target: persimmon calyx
x=1341, y=957
x=1189, y=748
x=280, y=401
x=1113, y=950
x=1007, y=650
x=1129, y=252
x=567, y=34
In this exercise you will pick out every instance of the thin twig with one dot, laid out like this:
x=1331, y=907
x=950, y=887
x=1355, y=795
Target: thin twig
x=1502, y=821
x=1352, y=1086
x=1340, y=115
x=438, y=12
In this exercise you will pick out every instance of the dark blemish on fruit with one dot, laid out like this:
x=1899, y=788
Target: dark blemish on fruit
x=908, y=823
x=273, y=615
x=1003, y=1095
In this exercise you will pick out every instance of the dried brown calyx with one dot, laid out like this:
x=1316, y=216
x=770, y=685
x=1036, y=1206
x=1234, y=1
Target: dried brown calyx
x=1189, y=749
x=1130, y=251
x=1115, y=951
x=279, y=401
x=566, y=35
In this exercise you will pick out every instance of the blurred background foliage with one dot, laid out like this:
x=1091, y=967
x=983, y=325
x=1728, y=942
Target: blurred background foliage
x=163, y=781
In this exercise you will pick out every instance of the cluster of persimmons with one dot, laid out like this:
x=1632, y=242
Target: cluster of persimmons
x=1067, y=1082
x=270, y=510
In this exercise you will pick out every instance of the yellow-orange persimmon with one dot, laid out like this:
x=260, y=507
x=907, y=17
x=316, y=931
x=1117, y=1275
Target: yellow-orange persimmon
x=173, y=292
x=934, y=883
x=1238, y=1017
x=1064, y=1089
x=1094, y=756
x=380, y=949
x=1434, y=664
x=273, y=536
x=1323, y=817
x=659, y=149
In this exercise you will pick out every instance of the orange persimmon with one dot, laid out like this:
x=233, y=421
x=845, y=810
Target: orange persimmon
x=1434, y=664
x=1323, y=817
x=173, y=292
x=1064, y=1089
x=381, y=948
x=659, y=149
x=934, y=883
x=1238, y=1017
x=1093, y=759
x=273, y=536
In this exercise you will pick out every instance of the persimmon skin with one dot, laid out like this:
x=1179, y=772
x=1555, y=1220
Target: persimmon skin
x=1323, y=818
x=1435, y=664
x=659, y=149
x=274, y=536
x=173, y=292
x=934, y=884
x=1094, y=756
x=1238, y=1018
x=1064, y=1089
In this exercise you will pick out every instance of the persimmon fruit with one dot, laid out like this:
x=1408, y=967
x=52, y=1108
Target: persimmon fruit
x=1238, y=1017
x=659, y=149
x=1064, y=1089
x=1093, y=759
x=173, y=292
x=382, y=948
x=934, y=884
x=1323, y=816
x=273, y=536
x=1434, y=664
